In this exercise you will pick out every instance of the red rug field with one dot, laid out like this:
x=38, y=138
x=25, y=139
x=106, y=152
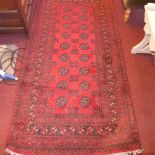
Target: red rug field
x=73, y=96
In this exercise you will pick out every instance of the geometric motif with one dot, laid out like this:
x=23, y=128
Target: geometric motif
x=84, y=27
x=65, y=45
x=84, y=36
x=84, y=85
x=74, y=51
x=66, y=9
x=66, y=35
x=63, y=71
x=84, y=71
x=84, y=18
x=62, y=85
x=64, y=57
x=84, y=101
x=66, y=26
x=66, y=17
x=61, y=101
x=84, y=58
x=84, y=46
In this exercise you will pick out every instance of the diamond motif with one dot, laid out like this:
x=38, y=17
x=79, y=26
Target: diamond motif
x=66, y=17
x=84, y=85
x=84, y=46
x=84, y=27
x=74, y=78
x=63, y=71
x=62, y=85
x=65, y=46
x=66, y=35
x=73, y=92
x=61, y=101
x=74, y=64
x=84, y=58
x=64, y=57
x=66, y=26
x=84, y=10
x=84, y=71
x=84, y=101
x=75, y=51
x=84, y=36
x=66, y=9
x=84, y=18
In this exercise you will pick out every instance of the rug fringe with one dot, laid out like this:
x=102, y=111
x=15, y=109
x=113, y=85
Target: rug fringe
x=11, y=152
x=136, y=152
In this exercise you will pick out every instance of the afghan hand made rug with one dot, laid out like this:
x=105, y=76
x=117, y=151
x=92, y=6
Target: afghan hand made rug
x=73, y=96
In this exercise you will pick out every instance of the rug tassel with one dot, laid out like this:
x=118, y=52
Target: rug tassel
x=11, y=152
x=137, y=152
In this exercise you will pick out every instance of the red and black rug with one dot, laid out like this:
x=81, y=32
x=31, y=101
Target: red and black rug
x=73, y=94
